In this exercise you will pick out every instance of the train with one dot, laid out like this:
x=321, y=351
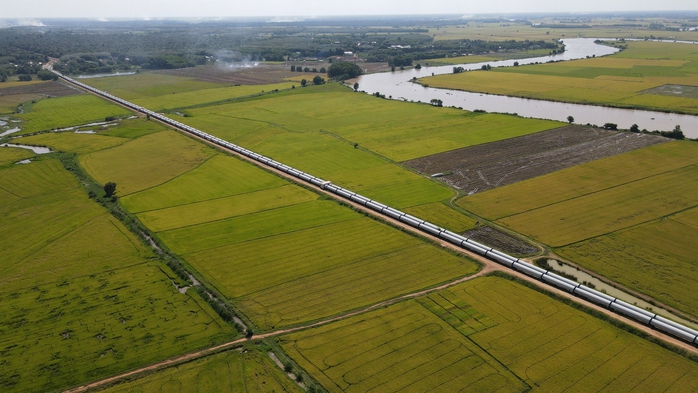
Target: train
x=643, y=316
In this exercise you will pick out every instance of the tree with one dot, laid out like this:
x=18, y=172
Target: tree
x=436, y=102
x=344, y=70
x=109, y=189
x=516, y=64
x=634, y=128
x=611, y=126
x=25, y=78
x=323, y=70
x=293, y=68
x=288, y=368
x=318, y=80
x=304, y=82
x=418, y=67
x=249, y=333
x=458, y=70
x=356, y=86
x=306, y=69
x=570, y=119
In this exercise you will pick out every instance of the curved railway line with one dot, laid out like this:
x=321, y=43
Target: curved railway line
x=618, y=306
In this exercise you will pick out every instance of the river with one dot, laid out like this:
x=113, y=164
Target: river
x=398, y=85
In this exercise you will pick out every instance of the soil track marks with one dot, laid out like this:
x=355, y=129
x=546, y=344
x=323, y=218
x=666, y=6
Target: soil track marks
x=501, y=241
x=49, y=89
x=482, y=167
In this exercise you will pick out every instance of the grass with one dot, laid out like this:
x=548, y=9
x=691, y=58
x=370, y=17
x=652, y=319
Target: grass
x=148, y=84
x=442, y=215
x=221, y=176
x=280, y=253
x=401, y=348
x=484, y=335
x=72, y=142
x=626, y=79
x=146, y=161
x=10, y=155
x=629, y=217
x=198, y=97
x=247, y=371
x=81, y=297
x=485, y=58
x=67, y=111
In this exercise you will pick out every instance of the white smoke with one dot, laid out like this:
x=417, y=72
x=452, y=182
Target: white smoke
x=233, y=60
x=4, y=23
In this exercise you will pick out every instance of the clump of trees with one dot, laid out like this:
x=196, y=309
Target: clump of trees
x=109, y=189
x=342, y=70
x=486, y=67
x=436, y=102
x=25, y=78
x=458, y=70
x=318, y=80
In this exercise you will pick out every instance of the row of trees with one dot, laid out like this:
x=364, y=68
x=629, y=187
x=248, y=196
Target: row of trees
x=307, y=69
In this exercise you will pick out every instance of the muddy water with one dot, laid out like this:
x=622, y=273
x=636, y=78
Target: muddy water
x=615, y=292
x=398, y=85
x=35, y=149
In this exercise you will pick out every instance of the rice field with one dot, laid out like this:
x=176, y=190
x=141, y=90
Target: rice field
x=68, y=111
x=80, y=295
x=630, y=217
x=626, y=79
x=147, y=84
x=198, y=97
x=281, y=253
x=10, y=155
x=72, y=142
x=146, y=161
x=484, y=335
x=244, y=371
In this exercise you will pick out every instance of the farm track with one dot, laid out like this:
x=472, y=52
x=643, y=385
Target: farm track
x=488, y=267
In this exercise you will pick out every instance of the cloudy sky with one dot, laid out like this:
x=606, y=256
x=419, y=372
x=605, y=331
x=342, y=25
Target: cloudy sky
x=308, y=8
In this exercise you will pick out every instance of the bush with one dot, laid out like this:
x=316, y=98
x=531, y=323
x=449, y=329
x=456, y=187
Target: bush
x=25, y=77
x=344, y=69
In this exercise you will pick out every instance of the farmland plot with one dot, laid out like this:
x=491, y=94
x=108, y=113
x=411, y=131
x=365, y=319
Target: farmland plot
x=245, y=371
x=78, y=297
x=484, y=335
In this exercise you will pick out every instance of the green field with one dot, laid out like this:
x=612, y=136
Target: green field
x=198, y=97
x=81, y=297
x=10, y=155
x=72, y=142
x=485, y=58
x=237, y=372
x=67, y=111
x=624, y=79
x=146, y=161
x=281, y=253
x=148, y=84
x=489, y=334
x=620, y=217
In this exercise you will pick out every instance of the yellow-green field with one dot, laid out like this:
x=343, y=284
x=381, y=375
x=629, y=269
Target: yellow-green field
x=10, y=155
x=283, y=255
x=68, y=111
x=72, y=142
x=489, y=334
x=619, y=80
x=146, y=161
x=248, y=372
x=621, y=216
x=484, y=58
x=81, y=297
x=147, y=84
x=198, y=97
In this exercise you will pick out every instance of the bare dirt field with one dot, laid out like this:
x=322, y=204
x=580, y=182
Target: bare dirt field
x=482, y=167
x=47, y=89
x=674, y=91
x=262, y=74
x=501, y=241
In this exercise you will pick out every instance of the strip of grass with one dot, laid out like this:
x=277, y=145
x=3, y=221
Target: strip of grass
x=247, y=371
x=74, y=143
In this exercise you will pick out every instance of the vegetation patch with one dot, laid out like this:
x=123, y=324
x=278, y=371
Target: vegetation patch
x=68, y=111
x=145, y=162
x=72, y=142
x=499, y=335
x=242, y=370
x=627, y=79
